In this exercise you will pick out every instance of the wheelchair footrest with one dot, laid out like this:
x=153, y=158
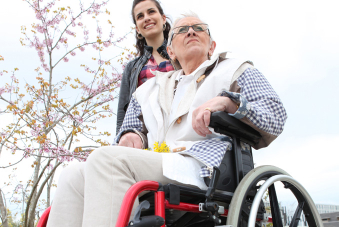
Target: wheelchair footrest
x=149, y=221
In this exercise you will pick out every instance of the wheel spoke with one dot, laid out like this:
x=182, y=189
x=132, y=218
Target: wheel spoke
x=276, y=217
x=269, y=174
x=296, y=216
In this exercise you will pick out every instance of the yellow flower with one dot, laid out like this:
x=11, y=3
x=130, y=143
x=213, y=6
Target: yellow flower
x=163, y=148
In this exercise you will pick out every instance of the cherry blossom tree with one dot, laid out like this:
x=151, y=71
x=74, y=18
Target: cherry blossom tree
x=53, y=116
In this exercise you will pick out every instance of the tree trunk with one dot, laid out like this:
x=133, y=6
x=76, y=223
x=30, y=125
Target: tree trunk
x=49, y=186
x=32, y=202
x=30, y=206
x=4, y=219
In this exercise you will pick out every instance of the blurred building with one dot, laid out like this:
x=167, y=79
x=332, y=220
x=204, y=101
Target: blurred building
x=330, y=219
x=326, y=208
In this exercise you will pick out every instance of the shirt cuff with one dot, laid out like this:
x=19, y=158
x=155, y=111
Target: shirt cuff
x=241, y=101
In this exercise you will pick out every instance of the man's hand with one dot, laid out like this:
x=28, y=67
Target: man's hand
x=131, y=139
x=202, y=115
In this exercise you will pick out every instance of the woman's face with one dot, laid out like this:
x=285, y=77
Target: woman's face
x=192, y=43
x=148, y=19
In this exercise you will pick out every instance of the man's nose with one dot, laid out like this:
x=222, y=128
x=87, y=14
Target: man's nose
x=191, y=32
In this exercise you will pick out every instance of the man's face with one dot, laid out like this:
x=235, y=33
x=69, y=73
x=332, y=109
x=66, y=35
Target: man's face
x=192, y=43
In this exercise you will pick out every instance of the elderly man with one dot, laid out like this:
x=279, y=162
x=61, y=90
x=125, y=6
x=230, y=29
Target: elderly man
x=175, y=108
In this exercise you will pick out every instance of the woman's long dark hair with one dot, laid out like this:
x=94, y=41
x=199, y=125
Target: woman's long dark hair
x=142, y=42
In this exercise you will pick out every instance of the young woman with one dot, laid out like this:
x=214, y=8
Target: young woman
x=152, y=30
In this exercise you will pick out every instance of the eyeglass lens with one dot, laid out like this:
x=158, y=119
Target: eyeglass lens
x=196, y=27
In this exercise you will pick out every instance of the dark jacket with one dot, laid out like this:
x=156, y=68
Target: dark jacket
x=129, y=81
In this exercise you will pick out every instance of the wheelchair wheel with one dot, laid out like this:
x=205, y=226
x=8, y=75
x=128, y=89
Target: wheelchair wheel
x=238, y=214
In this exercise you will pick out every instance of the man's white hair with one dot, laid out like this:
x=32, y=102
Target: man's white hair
x=190, y=14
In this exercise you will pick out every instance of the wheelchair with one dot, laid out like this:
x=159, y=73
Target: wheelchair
x=234, y=194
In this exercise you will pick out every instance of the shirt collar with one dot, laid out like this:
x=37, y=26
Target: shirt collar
x=161, y=50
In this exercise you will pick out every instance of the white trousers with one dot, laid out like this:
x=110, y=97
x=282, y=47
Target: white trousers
x=91, y=193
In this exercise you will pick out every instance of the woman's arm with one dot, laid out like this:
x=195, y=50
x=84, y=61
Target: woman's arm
x=124, y=95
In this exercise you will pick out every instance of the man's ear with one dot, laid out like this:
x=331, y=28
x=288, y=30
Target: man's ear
x=212, y=48
x=171, y=53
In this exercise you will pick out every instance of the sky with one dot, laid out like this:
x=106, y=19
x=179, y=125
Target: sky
x=293, y=43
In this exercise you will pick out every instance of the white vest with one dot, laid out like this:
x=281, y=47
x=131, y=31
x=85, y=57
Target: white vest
x=156, y=95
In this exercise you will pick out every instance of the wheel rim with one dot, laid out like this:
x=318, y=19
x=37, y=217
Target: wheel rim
x=237, y=214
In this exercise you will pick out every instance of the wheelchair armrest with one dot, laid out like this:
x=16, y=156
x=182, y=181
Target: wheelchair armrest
x=225, y=124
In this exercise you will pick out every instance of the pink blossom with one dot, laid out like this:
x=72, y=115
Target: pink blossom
x=79, y=119
x=57, y=20
x=99, y=30
x=96, y=6
x=63, y=40
x=66, y=59
x=40, y=29
x=41, y=53
x=38, y=16
x=101, y=62
x=80, y=24
x=106, y=44
x=49, y=42
x=45, y=67
x=86, y=32
x=1, y=73
x=70, y=32
x=82, y=48
x=73, y=53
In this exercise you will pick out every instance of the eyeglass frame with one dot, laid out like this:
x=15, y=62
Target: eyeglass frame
x=189, y=26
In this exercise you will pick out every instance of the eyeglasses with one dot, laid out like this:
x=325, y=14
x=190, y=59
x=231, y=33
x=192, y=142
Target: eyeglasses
x=184, y=29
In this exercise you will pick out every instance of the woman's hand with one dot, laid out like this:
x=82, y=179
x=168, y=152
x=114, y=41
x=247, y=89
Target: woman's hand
x=201, y=116
x=131, y=139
